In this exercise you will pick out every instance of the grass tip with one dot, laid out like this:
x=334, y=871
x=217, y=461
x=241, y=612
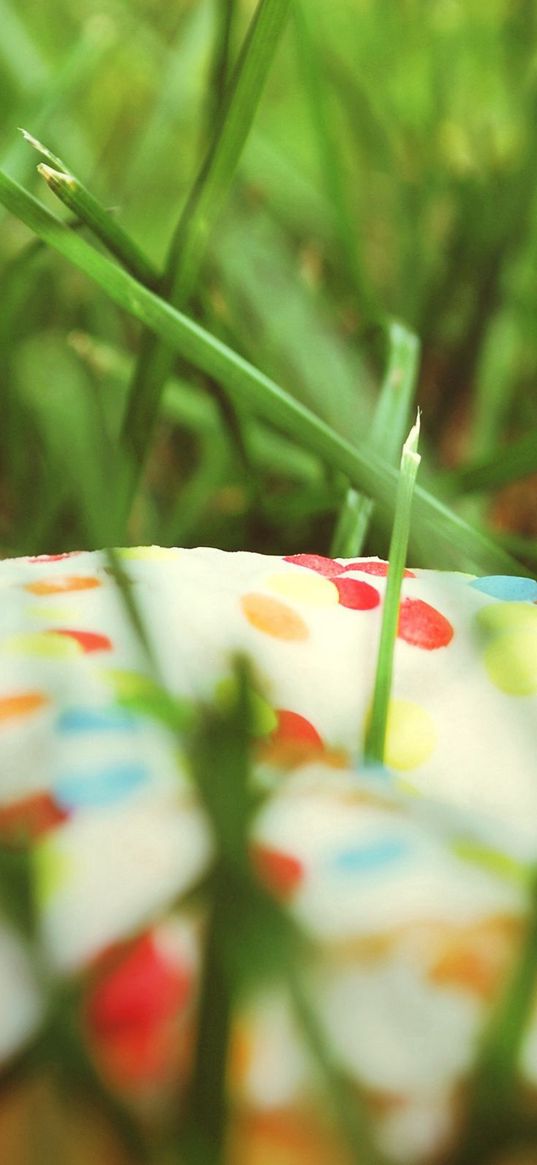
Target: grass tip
x=55, y=178
x=410, y=447
x=28, y=137
x=41, y=149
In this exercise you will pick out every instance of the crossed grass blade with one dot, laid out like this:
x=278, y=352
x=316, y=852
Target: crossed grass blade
x=450, y=538
x=189, y=243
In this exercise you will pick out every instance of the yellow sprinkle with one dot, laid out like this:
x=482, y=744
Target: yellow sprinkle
x=506, y=616
x=52, y=614
x=511, y=661
x=410, y=737
x=304, y=587
x=43, y=643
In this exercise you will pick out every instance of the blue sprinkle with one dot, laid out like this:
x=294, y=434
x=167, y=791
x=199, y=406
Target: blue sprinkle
x=100, y=787
x=512, y=588
x=368, y=857
x=96, y=720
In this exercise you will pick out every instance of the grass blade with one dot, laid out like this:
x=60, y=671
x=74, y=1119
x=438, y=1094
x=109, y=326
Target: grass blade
x=224, y=15
x=390, y=423
x=517, y=460
x=331, y=162
x=89, y=210
x=348, y=1108
x=352, y=525
x=376, y=733
x=494, y=1119
x=189, y=243
x=391, y=418
x=449, y=538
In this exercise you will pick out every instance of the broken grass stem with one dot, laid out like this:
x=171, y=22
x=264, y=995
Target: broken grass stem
x=103, y=225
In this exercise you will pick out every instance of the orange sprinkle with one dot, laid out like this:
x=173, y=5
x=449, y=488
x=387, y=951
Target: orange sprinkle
x=478, y=959
x=62, y=584
x=21, y=705
x=273, y=617
x=284, y=1137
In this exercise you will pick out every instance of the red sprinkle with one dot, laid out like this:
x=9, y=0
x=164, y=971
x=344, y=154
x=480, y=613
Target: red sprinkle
x=52, y=557
x=423, y=626
x=281, y=873
x=24, y=821
x=378, y=568
x=294, y=727
x=140, y=991
x=87, y=640
x=325, y=566
x=356, y=595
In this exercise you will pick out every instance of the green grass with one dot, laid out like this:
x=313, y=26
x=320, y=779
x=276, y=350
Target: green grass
x=375, y=743
x=279, y=237
x=353, y=196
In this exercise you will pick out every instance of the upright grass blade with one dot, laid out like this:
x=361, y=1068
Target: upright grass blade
x=225, y=12
x=352, y=524
x=89, y=210
x=331, y=161
x=351, y=1116
x=494, y=1119
x=376, y=732
x=390, y=423
x=449, y=537
x=189, y=243
x=397, y=391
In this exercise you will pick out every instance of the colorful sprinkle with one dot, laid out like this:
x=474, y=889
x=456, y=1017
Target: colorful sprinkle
x=81, y=719
x=304, y=587
x=63, y=584
x=141, y=990
x=46, y=613
x=490, y=859
x=280, y=872
x=46, y=644
x=292, y=727
x=317, y=562
x=273, y=618
x=368, y=566
x=136, y=1058
x=88, y=641
x=356, y=595
x=511, y=661
x=99, y=787
x=511, y=588
x=23, y=821
x=410, y=736
x=38, y=558
x=507, y=616
x=423, y=626
x=21, y=704
x=369, y=857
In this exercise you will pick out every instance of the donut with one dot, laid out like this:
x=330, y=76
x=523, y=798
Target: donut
x=409, y=882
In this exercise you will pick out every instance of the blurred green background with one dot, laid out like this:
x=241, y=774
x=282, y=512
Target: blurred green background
x=391, y=172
